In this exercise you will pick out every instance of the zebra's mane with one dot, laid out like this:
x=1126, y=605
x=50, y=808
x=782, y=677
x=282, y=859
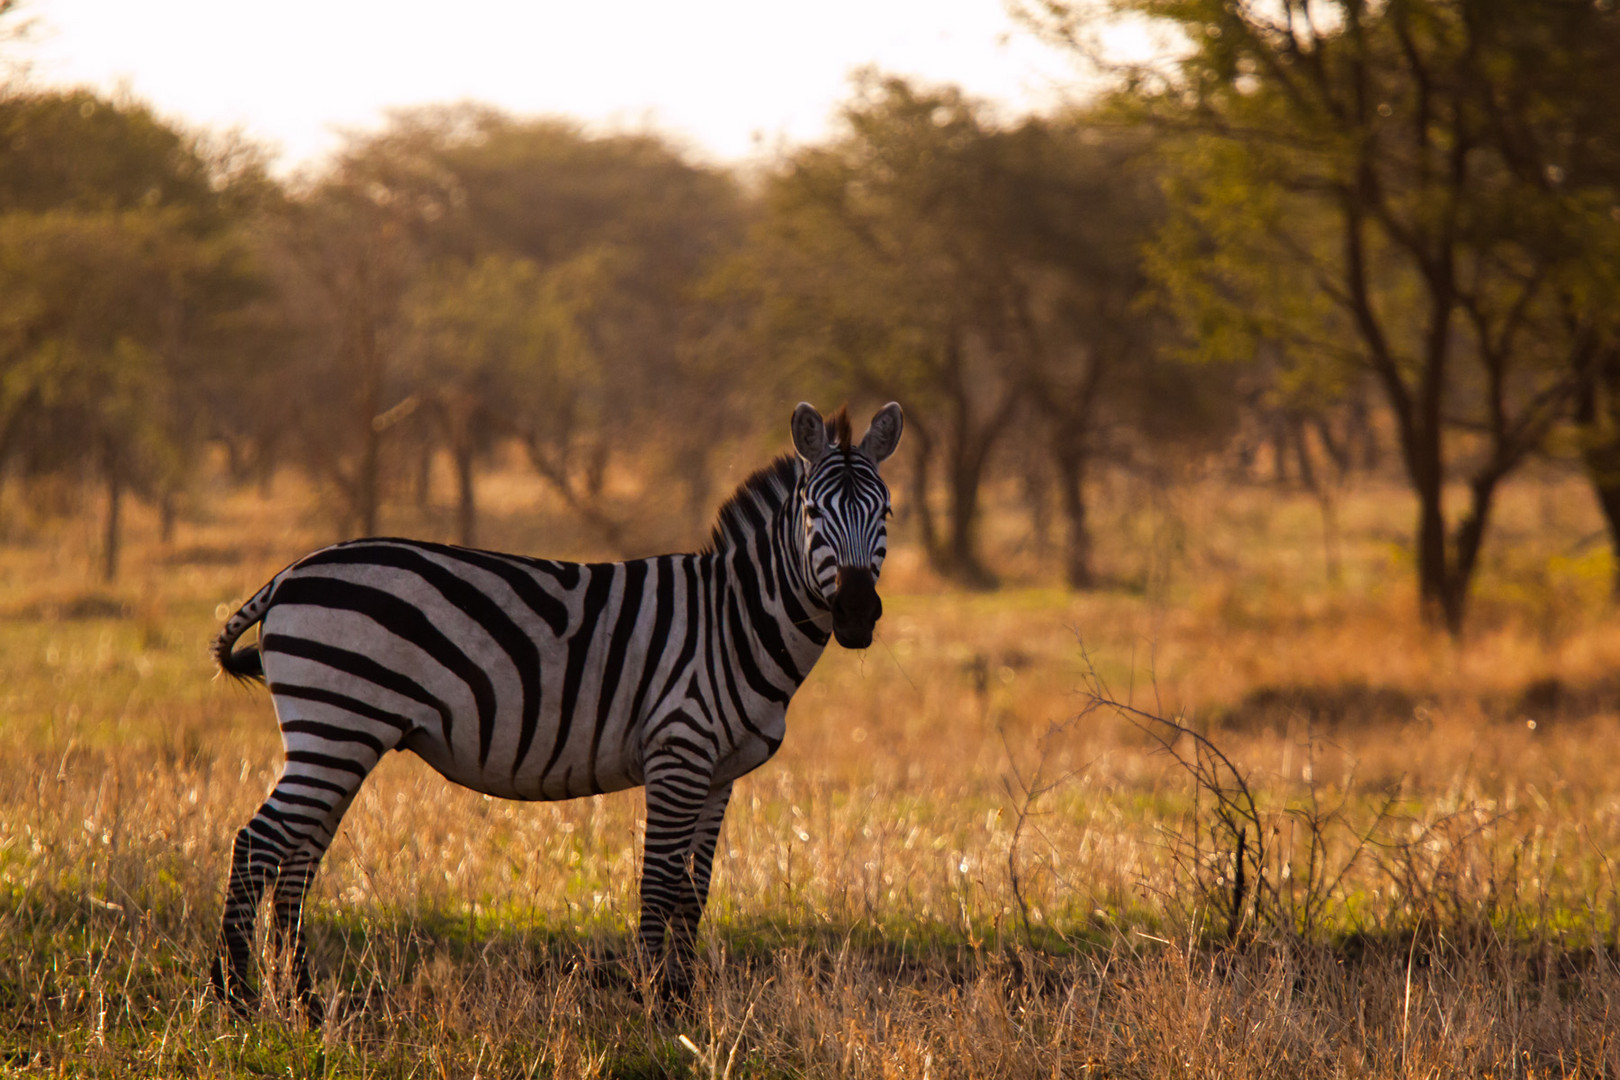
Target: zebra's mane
x=753, y=503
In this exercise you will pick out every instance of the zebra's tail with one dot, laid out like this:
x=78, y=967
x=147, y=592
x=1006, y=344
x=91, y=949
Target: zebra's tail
x=245, y=664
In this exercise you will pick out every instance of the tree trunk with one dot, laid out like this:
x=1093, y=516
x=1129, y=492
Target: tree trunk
x=1600, y=444
x=112, y=536
x=968, y=446
x=1608, y=495
x=264, y=468
x=1332, y=546
x=1279, y=449
x=1446, y=564
x=368, y=480
x=596, y=466
x=368, y=474
x=967, y=473
x=1033, y=481
x=466, y=508
x=1302, y=451
x=1071, y=468
x=168, y=513
x=424, y=476
x=1433, y=586
x=918, y=502
x=1470, y=538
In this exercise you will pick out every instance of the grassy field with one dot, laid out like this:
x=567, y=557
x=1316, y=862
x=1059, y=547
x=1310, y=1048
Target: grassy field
x=1001, y=842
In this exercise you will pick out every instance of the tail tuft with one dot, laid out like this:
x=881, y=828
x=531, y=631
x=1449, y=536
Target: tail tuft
x=245, y=665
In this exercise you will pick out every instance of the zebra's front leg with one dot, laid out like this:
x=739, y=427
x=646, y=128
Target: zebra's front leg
x=694, y=895
x=678, y=791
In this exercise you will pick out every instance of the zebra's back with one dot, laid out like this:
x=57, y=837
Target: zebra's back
x=516, y=677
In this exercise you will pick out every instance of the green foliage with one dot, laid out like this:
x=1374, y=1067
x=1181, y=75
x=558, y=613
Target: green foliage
x=505, y=340
x=91, y=366
x=122, y=270
x=78, y=151
x=1401, y=193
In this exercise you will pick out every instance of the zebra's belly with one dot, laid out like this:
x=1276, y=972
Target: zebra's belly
x=615, y=770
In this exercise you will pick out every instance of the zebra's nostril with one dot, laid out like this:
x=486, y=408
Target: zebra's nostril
x=856, y=600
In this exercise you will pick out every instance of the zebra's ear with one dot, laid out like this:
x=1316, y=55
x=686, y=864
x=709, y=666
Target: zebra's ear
x=884, y=434
x=809, y=432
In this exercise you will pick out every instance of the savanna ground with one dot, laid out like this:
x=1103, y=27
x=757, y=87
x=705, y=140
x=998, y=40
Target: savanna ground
x=968, y=860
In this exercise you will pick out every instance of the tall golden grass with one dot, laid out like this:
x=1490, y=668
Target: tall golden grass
x=980, y=852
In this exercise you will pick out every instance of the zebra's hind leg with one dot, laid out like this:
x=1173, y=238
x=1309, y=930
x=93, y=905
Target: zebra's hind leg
x=287, y=904
x=255, y=858
x=303, y=809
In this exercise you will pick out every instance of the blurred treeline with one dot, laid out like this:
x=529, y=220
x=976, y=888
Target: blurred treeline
x=1326, y=238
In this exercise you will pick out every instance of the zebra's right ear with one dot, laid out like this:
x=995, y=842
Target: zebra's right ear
x=809, y=432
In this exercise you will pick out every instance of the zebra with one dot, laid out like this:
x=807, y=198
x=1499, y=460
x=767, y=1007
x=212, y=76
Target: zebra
x=533, y=679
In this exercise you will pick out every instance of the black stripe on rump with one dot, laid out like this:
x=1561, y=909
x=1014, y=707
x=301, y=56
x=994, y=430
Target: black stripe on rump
x=519, y=647
x=327, y=761
x=635, y=583
x=313, y=782
x=363, y=668
x=322, y=696
x=333, y=733
x=597, y=589
x=397, y=617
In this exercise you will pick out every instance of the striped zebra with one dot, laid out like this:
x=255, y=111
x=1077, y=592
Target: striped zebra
x=533, y=679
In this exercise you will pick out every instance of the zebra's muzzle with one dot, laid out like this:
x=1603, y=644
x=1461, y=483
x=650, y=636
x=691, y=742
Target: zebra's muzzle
x=856, y=607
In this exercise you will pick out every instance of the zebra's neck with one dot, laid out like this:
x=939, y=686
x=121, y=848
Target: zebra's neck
x=759, y=535
x=755, y=504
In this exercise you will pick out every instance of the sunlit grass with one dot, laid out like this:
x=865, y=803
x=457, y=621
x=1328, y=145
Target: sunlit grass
x=864, y=919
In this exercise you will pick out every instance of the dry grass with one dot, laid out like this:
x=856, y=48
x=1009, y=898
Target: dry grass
x=865, y=920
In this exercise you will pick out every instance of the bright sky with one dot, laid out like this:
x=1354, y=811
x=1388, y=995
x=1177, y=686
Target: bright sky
x=726, y=78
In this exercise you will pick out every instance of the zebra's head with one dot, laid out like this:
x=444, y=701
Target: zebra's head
x=844, y=506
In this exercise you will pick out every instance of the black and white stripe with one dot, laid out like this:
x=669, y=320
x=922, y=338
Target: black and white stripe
x=533, y=679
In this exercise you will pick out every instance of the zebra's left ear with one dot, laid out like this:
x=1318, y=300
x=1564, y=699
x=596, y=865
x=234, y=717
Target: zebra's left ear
x=884, y=434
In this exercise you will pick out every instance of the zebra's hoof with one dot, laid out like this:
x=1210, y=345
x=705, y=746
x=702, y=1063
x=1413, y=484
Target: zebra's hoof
x=230, y=988
x=314, y=1010
x=673, y=987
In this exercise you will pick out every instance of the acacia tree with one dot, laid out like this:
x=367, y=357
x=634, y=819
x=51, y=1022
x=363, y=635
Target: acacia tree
x=1554, y=120
x=622, y=232
x=346, y=260
x=1074, y=199
x=1343, y=192
x=988, y=275
x=879, y=268
x=492, y=346
x=119, y=264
